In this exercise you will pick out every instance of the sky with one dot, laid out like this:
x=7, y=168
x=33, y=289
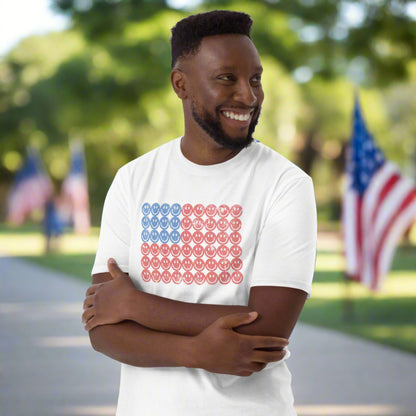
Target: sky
x=22, y=18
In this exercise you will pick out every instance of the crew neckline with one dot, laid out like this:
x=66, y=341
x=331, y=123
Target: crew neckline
x=208, y=170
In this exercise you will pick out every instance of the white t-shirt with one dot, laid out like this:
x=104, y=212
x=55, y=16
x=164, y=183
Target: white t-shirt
x=207, y=234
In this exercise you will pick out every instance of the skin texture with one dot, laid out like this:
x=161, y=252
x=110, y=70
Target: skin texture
x=146, y=330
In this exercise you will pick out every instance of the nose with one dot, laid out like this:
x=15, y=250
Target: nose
x=245, y=94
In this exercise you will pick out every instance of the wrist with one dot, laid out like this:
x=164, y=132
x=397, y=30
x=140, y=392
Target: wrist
x=191, y=353
x=131, y=305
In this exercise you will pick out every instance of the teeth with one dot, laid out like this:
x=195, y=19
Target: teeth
x=235, y=116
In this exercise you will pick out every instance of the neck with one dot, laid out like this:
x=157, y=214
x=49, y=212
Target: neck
x=204, y=151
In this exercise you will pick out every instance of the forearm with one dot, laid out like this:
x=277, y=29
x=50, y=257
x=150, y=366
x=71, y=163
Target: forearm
x=182, y=318
x=133, y=344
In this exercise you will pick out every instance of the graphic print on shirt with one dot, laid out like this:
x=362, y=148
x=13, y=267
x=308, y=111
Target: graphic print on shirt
x=191, y=243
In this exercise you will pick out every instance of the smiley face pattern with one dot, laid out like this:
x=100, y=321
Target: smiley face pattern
x=191, y=243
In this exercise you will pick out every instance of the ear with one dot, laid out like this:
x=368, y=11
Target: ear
x=178, y=81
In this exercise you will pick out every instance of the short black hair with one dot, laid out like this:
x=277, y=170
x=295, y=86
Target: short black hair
x=188, y=33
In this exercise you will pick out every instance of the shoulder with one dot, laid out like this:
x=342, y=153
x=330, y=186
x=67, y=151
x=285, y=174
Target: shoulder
x=141, y=164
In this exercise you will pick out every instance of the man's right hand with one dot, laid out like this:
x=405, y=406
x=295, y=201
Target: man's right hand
x=220, y=349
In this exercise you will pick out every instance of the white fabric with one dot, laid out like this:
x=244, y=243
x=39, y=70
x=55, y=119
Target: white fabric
x=269, y=207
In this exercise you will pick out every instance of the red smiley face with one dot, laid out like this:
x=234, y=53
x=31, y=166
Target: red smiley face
x=176, y=277
x=198, y=224
x=199, y=265
x=156, y=276
x=236, y=251
x=236, y=263
x=223, y=210
x=210, y=251
x=154, y=249
x=225, y=278
x=211, y=210
x=187, y=264
x=210, y=224
x=237, y=277
x=235, y=237
x=176, y=264
x=188, y=278
x=145, y=262
x=212, y=278
x=235, y=224
x=165, y=263
x=187, y=209
x=164, y=250
x=224, y=264
x=146, y=276
x=175, y=250
x=166, y=277
x=199, y=210
x=186, y=237
x=198, y=237
x=236, y=210
x=223, y=250
x=198, y=250
x=155, y=262
x=186, y=250
x=211, y=264
x=222, y=224
x=145, y=249
x=199, y=278
x=186, y=223
x=223, y=237
x=210, y=237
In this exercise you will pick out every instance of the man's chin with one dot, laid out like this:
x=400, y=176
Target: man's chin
x=234, y=144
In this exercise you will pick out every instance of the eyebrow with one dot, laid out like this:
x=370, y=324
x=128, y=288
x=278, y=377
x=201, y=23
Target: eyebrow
x=232, y=68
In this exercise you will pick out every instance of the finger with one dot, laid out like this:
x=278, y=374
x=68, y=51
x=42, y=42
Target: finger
x=87, y=315
x=91, y=324
x=113, y=268
x=258, y=366
x=266, y=357
x=88, y=302
x=237, y=319
x=91, y=290
x=259, y=341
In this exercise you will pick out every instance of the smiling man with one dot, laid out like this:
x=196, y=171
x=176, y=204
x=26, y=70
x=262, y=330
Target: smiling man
x=207, y=246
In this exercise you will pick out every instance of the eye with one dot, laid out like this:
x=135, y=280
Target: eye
x=256, y=80
x=226, y=77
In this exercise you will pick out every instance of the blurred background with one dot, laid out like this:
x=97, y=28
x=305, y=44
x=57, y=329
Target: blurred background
x=96, y=72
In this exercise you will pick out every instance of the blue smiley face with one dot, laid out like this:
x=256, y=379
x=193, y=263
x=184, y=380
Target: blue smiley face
x=164, y=222
x=154, y=236
x=175, y=209
x=155, y=209
x=154, y=222
x=146, y=209
x=145, y=222
x=145, y=235
x=164, y=236
x=175, y=223
x=175, y=237
x=164, y=209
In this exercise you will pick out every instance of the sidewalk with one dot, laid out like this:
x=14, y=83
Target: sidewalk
x=47, y=367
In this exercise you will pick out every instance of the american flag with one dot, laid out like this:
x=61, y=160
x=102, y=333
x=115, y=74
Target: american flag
x=31, y=190
x=379, y=206
x=75, y=190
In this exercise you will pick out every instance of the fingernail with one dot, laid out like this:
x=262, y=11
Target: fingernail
x=111, y=261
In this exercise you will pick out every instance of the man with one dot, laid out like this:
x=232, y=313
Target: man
x=211, y=240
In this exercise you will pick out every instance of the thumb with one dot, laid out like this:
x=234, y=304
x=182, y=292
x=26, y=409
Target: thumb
x=113, y=268
x=237, y=319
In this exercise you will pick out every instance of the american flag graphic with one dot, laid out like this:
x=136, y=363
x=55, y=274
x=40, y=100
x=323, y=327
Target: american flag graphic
x=75, y=190
x=379, y=206
x=31, y=190
x=191, y=243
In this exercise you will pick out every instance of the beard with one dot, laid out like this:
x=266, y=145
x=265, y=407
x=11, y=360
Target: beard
x=212, y=126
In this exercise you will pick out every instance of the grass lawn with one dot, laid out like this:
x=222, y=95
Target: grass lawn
x=388, y=316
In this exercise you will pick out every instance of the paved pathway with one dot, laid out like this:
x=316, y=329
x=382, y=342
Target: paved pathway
x=47, y=367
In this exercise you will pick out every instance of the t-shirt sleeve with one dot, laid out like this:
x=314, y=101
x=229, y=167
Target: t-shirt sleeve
x=286, y=248
x=114, y=238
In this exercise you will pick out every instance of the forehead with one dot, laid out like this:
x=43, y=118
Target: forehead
x=227, y=51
